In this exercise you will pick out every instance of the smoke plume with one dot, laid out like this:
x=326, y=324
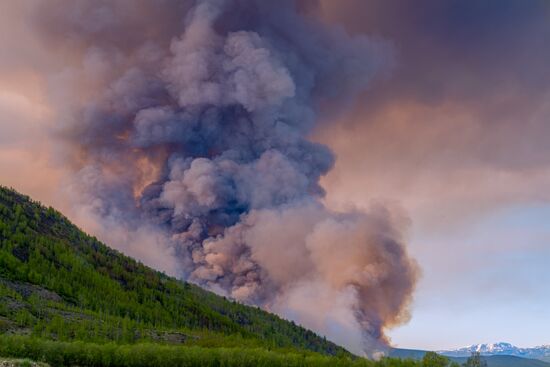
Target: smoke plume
x=187, y=124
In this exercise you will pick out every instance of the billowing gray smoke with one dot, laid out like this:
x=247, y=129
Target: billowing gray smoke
x=191, y=120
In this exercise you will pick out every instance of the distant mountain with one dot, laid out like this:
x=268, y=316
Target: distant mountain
x=492, y=360
x=507, y=361
x=498, y=349
x=406, y=353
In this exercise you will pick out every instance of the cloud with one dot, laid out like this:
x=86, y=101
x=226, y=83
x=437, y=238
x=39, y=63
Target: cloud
x=463, y=116
x=456, y=135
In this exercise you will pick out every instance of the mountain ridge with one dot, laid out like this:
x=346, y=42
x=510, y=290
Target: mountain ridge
x=492, y=360
x=541, y=352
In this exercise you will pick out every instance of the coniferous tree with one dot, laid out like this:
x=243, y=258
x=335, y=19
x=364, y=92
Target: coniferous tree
x=475, y=360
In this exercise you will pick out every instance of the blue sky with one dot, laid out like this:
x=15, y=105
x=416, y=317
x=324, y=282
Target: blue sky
x=494, y=287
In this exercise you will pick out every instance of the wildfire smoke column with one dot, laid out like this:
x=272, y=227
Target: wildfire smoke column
x=191, y=121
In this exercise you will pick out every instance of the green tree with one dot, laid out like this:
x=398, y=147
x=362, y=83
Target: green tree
x=475, y=361
x=432, y=359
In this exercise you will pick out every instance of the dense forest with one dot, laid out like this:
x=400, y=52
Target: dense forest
x=58, y=282
x=67, y=299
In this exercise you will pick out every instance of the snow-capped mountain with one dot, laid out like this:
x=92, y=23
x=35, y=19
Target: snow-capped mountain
x=541, y=352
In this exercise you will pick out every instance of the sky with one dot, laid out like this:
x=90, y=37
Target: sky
x=453, y=134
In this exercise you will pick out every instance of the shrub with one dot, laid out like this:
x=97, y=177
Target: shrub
x=149, y=354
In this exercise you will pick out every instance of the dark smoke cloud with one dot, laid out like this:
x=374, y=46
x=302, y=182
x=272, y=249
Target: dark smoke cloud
x=190, y=120
x=464, y=116
x=487, y=59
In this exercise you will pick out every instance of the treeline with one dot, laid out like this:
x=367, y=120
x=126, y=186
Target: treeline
x=149, y=354
x=66, y=354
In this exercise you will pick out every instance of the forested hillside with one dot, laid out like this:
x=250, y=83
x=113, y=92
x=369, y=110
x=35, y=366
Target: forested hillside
x=57, y=282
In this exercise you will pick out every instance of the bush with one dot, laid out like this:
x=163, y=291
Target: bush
x=432, y=359
x=149, y=354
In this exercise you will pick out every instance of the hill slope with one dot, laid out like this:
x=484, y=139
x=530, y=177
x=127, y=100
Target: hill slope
x=56, y=282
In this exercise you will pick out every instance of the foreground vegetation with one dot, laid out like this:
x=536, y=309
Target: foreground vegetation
x=153, y=354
